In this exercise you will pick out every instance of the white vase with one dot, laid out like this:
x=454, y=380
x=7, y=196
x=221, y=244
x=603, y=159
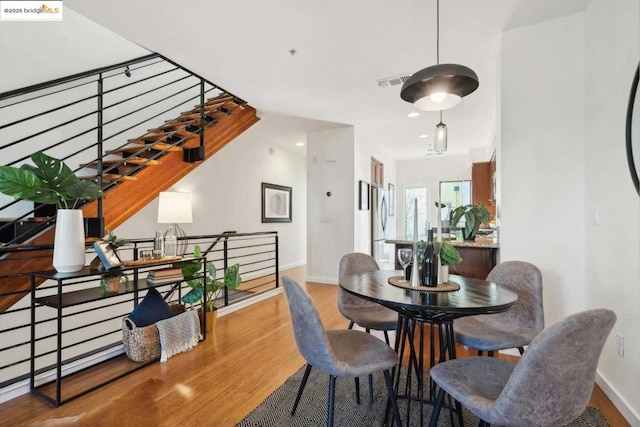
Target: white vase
x=68, y=246
x=444, y=271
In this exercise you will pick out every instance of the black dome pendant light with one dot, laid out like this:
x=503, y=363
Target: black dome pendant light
x=440, y=86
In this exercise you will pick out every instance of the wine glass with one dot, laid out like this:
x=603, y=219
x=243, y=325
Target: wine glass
x=404, y=258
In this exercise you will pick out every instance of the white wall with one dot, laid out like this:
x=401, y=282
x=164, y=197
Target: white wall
x=226, y=194
x=613, y=246
x=70, y=46
x=430, y=171
x=542, y=219
x=330, y=230
x=562, y=155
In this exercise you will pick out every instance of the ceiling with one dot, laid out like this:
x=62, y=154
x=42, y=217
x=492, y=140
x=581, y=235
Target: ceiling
x=342, y=47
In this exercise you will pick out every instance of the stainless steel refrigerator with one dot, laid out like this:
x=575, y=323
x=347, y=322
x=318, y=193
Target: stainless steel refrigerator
x=379, y=225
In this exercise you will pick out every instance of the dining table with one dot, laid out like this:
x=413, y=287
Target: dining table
x=435, y=309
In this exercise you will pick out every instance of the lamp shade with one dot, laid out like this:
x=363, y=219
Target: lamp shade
x=439, y=87
x=174, y=208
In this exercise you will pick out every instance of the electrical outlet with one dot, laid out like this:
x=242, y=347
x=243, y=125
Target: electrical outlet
x=620, y=344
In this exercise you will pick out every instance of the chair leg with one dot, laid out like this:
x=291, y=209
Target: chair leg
x=357, y=379
x=371, y=388
x=350, y=325
x=386, y=337
x=332, y=392
x=436, y=409
x=490, y=353
x=480, y=352
x=392, y=398
x=521, y=350
x=305, y=377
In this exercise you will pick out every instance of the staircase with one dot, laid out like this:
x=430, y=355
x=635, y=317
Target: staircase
x=131, y=173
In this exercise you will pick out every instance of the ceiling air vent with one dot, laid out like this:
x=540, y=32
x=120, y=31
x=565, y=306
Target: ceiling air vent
x=393, y=81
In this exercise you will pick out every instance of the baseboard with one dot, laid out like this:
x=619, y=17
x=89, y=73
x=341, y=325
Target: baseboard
x=326, y=280
x=249, y=301
x=22, y=387
x=618, y=401
x=292, y=265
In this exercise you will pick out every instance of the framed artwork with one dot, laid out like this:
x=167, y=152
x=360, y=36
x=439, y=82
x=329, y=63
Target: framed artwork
x=276, y=203
x=364, y=195
x=392, y=199
x=108, y=256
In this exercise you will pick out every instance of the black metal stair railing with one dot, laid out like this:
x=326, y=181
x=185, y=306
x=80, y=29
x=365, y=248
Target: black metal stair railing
x=95, y=327
x=94, y=120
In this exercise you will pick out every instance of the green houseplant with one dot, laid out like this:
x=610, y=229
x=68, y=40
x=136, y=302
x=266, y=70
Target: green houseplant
x=52, y=182
x=207, y=286
x=473, y=215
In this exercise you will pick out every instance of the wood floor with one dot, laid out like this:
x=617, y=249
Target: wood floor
x=219, y=382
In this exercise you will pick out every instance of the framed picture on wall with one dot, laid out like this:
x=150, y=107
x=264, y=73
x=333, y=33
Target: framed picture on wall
x=276, y=203
x=364, y=196
x=392, y=199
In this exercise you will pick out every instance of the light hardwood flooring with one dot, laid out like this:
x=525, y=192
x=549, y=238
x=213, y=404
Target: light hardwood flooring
x=220, y=381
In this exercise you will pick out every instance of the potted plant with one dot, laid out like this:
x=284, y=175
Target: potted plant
x=474, y=215
x=208, y=286
x=448, y=255
x=52, y=182
x=111, y=280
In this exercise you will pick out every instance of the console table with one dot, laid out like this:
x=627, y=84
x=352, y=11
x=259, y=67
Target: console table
x=59, y=352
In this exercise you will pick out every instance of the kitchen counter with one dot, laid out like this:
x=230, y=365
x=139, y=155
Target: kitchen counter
x=479, y=256
x=479, y=242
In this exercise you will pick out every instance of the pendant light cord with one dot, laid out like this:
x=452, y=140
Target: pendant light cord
x=438, y=32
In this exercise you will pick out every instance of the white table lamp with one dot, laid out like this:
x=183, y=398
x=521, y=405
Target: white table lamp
x=175, y=208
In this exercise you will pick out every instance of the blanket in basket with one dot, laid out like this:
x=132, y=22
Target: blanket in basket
x=179, y=333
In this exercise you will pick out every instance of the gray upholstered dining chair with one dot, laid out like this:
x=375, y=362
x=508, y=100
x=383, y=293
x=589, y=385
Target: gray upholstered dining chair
x=513, y=328
x=339, y=353
x=549, y=386
x=363, y=313
x=366, y=314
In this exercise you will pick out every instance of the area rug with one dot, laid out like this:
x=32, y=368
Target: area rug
x=275, y=410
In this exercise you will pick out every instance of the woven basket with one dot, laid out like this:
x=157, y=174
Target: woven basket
x=143, y=344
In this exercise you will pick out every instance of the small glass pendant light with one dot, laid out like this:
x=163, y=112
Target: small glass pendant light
x=440, y=140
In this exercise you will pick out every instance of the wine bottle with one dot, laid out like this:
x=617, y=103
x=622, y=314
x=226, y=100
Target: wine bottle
x=428, y=265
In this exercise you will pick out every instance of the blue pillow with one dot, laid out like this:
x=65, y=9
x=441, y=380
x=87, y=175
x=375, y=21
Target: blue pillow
x=152, y=309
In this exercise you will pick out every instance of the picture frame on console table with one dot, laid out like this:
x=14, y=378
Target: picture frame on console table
x=108, y=256
x=276, y=203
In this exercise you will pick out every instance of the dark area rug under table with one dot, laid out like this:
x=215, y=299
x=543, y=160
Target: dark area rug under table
x=275, y=410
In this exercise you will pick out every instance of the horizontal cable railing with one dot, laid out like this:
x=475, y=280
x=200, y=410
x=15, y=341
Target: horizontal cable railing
x=89, y=120
x=95, y=326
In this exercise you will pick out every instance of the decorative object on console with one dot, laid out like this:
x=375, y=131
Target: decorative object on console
x=276, y=203
x=52, y=182
x=107, y=254
x=175, y=208
x=439, y=86
x=474, y=215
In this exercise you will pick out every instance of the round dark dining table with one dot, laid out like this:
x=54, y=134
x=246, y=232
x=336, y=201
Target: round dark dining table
x=474, y=296
x=437, y=309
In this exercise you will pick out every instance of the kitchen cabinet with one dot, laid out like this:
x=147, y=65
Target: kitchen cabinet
x=482, y=186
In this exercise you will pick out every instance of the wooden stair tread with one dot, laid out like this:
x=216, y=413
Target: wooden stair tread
x=138, y=161
x=110, y=177
x=138, y=144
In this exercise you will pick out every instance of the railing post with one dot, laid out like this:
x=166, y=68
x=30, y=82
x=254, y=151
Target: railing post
x=192, y=155
x=100, y=151
x=277, y=264
x=226, y=264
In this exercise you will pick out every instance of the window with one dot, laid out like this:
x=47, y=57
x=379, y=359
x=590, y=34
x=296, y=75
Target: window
x=421, y=193
x=454, y=194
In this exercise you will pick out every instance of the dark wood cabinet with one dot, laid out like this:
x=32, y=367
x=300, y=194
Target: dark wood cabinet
x=482, y=186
